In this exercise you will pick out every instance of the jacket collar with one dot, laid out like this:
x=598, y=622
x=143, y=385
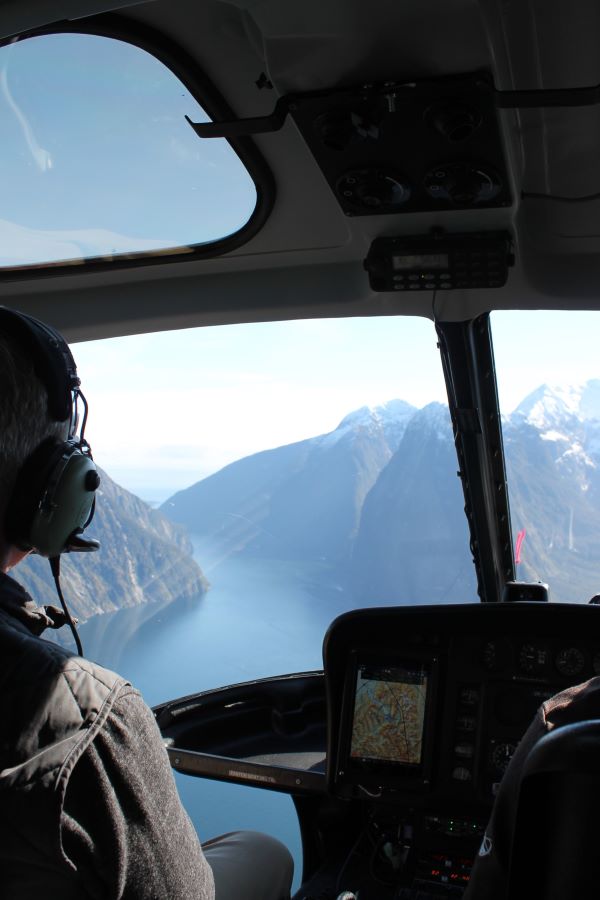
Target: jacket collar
x=15, y=601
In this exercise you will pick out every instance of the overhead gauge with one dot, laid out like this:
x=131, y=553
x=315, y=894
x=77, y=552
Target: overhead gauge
x=372, y=190
x=570, y=661
x=463, y=184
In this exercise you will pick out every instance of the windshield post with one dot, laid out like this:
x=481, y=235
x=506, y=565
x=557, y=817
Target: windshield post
x=469, y=371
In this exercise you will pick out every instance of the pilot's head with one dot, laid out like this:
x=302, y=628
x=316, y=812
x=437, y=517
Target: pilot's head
x=25, y=423
x=47, y=476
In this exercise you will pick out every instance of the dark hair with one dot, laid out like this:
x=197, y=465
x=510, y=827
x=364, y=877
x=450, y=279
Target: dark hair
x=24, y=419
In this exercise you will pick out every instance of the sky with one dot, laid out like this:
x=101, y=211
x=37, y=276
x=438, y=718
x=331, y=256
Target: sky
x=168, y=409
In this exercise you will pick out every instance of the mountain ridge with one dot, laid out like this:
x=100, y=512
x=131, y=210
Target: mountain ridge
x=386, y=509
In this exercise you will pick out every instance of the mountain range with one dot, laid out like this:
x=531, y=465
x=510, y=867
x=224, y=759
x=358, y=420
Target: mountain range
x=378, y=500
x=144, y=558
x=552, y=447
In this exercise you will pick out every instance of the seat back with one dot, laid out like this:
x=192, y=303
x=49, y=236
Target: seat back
x=556, y=843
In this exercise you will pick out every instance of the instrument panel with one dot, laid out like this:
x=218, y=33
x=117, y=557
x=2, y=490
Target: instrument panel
x=428, y=704
x=402, y=741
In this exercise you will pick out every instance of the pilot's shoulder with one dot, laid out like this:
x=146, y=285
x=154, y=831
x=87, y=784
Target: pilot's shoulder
x=83, y=675
x=574, y=704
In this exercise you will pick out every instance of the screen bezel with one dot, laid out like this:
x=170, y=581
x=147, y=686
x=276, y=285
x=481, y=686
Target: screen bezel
x=380, y=774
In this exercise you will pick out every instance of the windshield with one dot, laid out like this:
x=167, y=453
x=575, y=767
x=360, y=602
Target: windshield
x=295, y=470
x=549, y=390
x=258, y=480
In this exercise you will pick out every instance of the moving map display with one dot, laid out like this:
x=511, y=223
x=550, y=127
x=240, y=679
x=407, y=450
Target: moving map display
x=389, y=713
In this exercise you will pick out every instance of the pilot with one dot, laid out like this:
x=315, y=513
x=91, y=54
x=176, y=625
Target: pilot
x=88, y=803
x=489, y=877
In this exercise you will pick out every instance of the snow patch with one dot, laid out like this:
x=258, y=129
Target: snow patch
x=577, y=453
x=553, y=436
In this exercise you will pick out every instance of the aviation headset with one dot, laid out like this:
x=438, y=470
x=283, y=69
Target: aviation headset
x=53, y=499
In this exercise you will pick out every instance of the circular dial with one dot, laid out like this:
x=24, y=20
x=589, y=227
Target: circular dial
x=501, y=755
x=496, y=655
x=570, y=661
x=489, y=655
x=373, y=190
x=462, y=184
x=532, y=658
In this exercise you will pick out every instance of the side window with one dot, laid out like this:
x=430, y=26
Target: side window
x=549, y=390
x=98, y=160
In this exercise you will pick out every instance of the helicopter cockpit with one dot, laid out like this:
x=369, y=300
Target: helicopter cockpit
x=432, y=161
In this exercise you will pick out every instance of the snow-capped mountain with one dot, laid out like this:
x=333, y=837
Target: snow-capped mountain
x=568, y=419
x=307, y=501
x=378, y=500
x=299, y=501
x=552, y=447
x=552, y=405
x=390, y=419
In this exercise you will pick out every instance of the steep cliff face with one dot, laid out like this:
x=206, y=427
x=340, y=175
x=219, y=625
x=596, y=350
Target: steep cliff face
x=301, y=501
x=144, y=558
x=413, y=541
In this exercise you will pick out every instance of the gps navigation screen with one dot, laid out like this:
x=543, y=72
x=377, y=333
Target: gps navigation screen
x=389, y=713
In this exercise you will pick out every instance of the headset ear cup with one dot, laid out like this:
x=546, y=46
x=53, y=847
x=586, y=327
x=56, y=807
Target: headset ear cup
x=28, y=491
x=53, y=497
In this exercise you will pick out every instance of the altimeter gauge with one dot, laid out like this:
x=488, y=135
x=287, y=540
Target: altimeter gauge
x=570, y=661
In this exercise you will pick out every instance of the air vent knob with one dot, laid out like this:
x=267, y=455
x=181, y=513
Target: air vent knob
x=373, y=190
x=454, y=121
x=342, y=128
x=462, y=184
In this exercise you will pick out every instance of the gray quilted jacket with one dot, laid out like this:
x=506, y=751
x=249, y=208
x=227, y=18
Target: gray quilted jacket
x=88, y=804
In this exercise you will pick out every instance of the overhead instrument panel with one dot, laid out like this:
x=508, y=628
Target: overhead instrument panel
x=404, y=148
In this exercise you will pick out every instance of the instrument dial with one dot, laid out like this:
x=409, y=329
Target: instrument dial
x=570, y=661
x=502, y=754
x=495, y=655
x=532, y=658
x=489, y=655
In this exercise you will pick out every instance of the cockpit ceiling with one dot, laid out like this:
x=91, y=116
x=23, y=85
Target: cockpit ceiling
x=308, y=257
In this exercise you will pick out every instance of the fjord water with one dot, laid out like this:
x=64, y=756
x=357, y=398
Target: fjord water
x=259, y=618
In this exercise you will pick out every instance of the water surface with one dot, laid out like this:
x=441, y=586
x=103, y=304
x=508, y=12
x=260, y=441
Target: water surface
x=259, y=618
